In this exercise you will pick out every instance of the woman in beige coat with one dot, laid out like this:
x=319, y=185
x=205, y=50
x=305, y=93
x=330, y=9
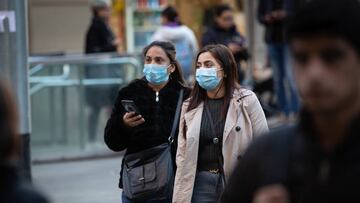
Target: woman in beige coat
x=217, y=123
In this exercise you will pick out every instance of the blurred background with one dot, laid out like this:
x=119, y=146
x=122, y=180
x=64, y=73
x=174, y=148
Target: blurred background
x=71, y=92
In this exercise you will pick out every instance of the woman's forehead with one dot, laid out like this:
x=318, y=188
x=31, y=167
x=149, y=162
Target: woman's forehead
x=156, y=51
x=205, y=57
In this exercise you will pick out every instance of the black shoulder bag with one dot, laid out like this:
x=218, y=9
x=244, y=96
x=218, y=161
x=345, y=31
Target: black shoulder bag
x=149, y=174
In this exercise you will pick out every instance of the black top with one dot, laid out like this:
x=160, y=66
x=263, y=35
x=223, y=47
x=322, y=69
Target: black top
x=99, y=37
x=158, y=115
x=275, y=32
x=294, y=157
x=14, y=190
x=209, y=151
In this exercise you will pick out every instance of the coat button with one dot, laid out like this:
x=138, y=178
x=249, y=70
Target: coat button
x=237, y=128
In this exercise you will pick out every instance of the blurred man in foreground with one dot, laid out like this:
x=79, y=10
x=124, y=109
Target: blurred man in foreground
x=12, y=188
x=318, y=159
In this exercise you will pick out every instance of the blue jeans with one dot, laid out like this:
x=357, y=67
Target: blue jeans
x=288, y=99
x=124, y=199
x=208, y=187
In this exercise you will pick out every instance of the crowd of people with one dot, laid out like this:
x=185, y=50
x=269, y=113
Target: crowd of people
x=209, y=141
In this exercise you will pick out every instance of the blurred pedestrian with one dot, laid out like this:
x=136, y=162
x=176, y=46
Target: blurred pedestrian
x=217, y=123
x=100, y=39
x=12, y=188
x=273, y=15
x=224, y=31
x=186, y=45
x=155, y=100
x=316, y=160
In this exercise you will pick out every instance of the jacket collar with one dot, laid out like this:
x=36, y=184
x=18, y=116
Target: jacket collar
x=234, y=108
x=171, y=87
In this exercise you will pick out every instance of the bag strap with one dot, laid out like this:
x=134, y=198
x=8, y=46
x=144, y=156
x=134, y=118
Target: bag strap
x=176, y=117
x=216, y=142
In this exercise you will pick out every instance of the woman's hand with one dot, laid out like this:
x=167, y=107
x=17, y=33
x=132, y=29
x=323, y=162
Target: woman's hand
x=133, y=120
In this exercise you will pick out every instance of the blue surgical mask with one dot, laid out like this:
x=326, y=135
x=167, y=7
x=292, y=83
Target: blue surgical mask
x=207, y=78
x=156, y=74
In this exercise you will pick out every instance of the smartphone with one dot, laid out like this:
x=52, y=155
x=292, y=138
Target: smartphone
x=130, y=106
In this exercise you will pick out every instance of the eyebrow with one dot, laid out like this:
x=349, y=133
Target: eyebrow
x=206, y=62
x=155, y=57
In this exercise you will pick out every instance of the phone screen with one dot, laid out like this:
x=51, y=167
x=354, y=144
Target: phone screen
x=130, y=106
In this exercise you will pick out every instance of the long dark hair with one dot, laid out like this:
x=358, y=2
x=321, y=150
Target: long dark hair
x=225, y=58
x=170, y=51
x=9, y=138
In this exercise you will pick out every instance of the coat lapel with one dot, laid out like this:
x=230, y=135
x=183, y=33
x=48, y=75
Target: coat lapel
x=231, y=119
x=234, y=111
x=195, y=114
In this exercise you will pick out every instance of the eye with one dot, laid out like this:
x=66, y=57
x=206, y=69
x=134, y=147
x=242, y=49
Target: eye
x=301, y=58
x=148, y=60
x=158, y=60
x=209, y=65
x=332, y=55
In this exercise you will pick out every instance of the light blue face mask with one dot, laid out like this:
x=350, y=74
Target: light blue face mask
x=156, y=74
x=207, y=78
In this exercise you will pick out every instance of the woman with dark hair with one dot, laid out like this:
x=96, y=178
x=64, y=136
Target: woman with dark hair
x=12, y=188
x=156, y=97
x=217, y=123
x=224, y=31
x=183, y=37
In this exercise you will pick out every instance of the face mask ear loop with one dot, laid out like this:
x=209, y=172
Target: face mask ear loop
x=221, y=83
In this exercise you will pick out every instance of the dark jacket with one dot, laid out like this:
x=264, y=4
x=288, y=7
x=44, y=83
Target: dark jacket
x=275, y=32
x=293, y=157
x=158, y=117
x=218, y=35
x=13, y=190
x=99, y=37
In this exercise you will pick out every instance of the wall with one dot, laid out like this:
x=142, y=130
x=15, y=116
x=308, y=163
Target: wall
x=58, y=25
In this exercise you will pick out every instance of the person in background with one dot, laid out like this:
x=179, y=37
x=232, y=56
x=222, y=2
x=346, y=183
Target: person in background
x=12, y=188
x=224, y=31
x=217, y=123
x=273, y=15
x=156, y=96
x=317, y=160
x=99, y=39
x=186, y=45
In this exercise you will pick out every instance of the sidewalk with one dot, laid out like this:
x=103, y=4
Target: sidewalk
x=92, y=181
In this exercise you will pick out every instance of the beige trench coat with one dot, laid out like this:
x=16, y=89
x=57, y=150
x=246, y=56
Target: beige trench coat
x=244, y=112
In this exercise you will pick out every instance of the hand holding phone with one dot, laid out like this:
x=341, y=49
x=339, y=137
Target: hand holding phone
x=130, y=106
x=132, y=118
